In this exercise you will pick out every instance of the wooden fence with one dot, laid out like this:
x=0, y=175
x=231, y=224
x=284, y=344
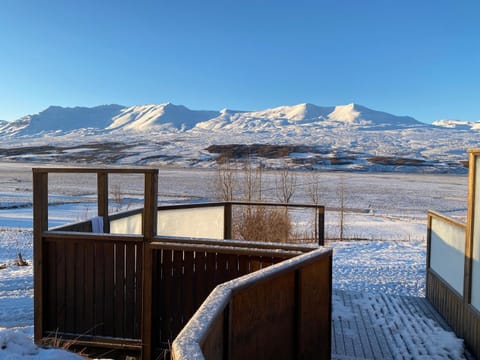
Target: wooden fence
x=453, y=253
x=281, y=312
x=133, y=293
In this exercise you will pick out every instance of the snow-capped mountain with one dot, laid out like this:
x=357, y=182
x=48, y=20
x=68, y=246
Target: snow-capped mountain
x=309, y=115
x=59, y=119
x=164, y=116
x=168, y=116
x=457, y=124
x=348, y=137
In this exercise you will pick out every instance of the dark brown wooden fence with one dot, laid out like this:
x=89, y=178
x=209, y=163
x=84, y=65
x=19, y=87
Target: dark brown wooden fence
x=281, y=312
x=183, y=275
x=133, y=292
x=92, y=286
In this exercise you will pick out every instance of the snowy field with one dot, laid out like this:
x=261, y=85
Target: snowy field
x=386, y=211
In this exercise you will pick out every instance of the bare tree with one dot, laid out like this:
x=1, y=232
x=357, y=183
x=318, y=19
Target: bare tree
x=225, y=181
x=252, y=181
x=314, y=193
x=285, y=185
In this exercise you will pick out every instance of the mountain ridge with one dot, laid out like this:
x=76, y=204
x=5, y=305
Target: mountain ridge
x=171, y=117
x=347, y=137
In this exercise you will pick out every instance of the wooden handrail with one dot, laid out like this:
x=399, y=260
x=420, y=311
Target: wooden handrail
x=237, y=243
x=93, y=170
x=440, y=216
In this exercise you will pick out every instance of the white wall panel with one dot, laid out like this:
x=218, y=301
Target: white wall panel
x=131, y=225
x=447, y=256
x=205, y=222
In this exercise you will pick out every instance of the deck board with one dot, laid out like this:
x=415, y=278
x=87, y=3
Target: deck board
x=379, y=326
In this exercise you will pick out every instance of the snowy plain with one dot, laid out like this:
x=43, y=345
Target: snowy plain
x=386, y=211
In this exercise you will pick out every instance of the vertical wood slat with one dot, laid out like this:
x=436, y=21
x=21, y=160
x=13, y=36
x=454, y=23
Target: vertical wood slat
x=200, y=281
x=90, y=279
x=176, y=295
x=61, y=286
x=188, y=285
x=167, y=284
x=50, y=276
x=99, y=317
x=119, y=291
x=221, y=274
x=140, y=250
x=109, y=315
x=81, y=326
x=130, y=319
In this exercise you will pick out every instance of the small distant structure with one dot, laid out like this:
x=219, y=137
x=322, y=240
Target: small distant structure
x=453, y=263
x=20, y=261
x=148, y=281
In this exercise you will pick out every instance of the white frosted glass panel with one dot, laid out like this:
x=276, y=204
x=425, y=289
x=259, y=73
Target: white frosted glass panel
x=200, y=222
x=476, y=240
x=131, y=225
x=447, y=253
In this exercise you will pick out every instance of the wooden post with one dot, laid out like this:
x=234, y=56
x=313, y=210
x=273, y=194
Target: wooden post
x=227, y=221
x=149, y=232
x=40, y=224
x=150, y=205
x=469, y=233
x=429, y=242
x=321, y=225
x=102, y=194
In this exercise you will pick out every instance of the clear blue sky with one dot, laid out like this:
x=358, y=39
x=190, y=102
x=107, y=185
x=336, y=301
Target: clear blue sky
x=419, y=58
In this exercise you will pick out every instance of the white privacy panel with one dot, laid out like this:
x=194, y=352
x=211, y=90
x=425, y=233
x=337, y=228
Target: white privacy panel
x=131, y=225
x=204, y=222
x=447, y=252
x=476, y=239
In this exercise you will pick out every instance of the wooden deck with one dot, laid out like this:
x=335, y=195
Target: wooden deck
x=378, y=326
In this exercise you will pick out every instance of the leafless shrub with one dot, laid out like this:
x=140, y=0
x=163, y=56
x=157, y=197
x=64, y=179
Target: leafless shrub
x=262, y=223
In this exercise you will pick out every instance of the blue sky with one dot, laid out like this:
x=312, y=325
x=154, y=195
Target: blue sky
x=419, y=58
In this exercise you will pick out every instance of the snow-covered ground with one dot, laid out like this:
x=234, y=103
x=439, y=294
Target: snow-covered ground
x=387, y=211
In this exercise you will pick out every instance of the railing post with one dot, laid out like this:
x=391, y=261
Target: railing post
x=321, y=225
x=149, y=232
x=102, y=194
x=227, y=221
x=40, y=224
x=470, y=229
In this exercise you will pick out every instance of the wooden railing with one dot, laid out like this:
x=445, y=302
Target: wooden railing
x=134, y=293
x=281, y=312
x=92, y=287
x=184, y=273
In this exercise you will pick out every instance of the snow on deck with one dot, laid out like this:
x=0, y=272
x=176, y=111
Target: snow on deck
x=380, y=326
x=379, y=305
